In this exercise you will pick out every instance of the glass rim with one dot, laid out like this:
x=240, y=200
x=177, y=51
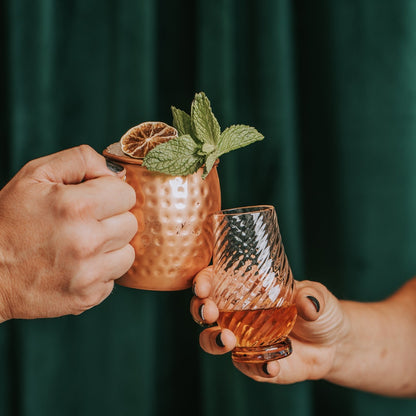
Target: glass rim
x=244, y=210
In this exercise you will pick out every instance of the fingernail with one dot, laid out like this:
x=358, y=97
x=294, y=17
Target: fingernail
x=315, y=303
x=114, y=167
x=265, y=369
x=218, y=341
x=201, y=312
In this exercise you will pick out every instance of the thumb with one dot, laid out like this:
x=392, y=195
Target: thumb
x=310, y=299
x=74, y=166
x=320, y=314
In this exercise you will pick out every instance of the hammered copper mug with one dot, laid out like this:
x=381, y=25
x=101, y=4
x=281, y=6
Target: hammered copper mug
x=174, y=240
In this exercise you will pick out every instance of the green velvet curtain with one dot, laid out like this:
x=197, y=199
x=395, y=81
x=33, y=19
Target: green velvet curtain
x=331, y=85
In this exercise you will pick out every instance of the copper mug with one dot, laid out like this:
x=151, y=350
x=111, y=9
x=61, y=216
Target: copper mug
x=174, y=240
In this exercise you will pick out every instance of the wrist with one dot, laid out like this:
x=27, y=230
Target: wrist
x=354, y=358
x=343, y=346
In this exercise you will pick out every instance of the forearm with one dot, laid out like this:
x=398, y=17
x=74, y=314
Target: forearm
x=379, y=353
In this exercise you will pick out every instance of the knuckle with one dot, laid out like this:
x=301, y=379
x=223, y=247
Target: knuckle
x=29, y=167
x=79, y=208
x=85, y=150
x=88, y=293
x=34, y=169
x=88, y=302
x=86, y=153
x=67, y=207
x=81, y=243
x=84, y=246
x=81, y=304
x=82, y=283
x=78, y=234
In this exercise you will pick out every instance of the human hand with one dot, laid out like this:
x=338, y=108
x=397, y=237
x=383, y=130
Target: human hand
x=65, y=233
x=320, y=327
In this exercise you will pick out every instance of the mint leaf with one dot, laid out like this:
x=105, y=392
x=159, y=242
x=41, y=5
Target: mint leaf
x=181, y=121
x=204, y=124
x=209, y=163
x=178, y=157
x=237, y=136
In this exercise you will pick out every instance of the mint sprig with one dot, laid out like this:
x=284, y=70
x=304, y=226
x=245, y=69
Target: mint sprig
x=204, y=123
x=200, y=142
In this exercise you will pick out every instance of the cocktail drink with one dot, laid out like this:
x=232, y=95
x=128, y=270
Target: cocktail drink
x=253, y=283
x=173, y=170
x=174, y=240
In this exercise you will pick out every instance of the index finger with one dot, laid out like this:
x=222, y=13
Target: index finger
x=103, y=197
x=71, y=166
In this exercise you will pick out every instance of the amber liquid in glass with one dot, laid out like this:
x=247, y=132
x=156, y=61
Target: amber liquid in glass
x=259, y=327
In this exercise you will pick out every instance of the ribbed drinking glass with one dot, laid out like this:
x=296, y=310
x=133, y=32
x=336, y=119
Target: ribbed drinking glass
x=253, y=283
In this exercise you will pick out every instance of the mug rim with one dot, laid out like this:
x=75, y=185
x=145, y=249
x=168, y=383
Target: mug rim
x=114, y=152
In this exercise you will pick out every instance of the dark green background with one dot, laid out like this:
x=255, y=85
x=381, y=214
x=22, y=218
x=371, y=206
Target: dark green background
x=331, y=85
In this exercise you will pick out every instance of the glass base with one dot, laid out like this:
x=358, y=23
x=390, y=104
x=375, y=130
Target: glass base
x=281, y=349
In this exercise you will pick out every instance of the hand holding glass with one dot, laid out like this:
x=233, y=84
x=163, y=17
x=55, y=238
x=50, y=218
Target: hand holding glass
x=253, y=283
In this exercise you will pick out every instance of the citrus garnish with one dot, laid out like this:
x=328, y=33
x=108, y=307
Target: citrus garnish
x=139, y=140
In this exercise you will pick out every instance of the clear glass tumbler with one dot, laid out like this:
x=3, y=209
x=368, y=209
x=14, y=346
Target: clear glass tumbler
x=253, y=283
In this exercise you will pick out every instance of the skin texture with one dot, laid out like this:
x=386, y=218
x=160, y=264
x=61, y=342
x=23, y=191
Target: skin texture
x=365, y=346
x=65, y=235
